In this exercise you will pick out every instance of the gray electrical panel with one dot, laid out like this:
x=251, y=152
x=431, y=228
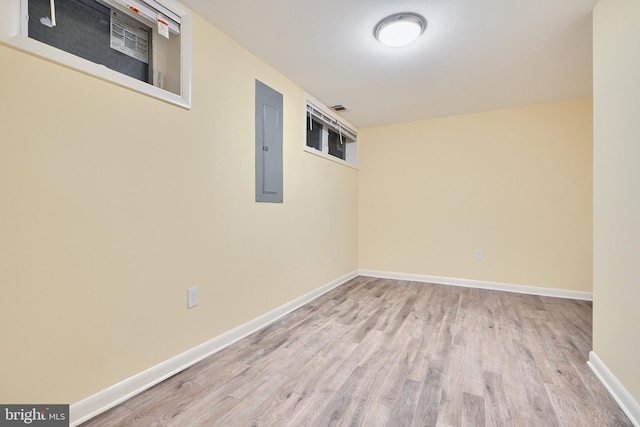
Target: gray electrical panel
x=268, y=144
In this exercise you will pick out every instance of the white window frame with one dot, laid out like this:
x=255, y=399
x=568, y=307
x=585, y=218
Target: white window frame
x=13, y=32
x=351, y=147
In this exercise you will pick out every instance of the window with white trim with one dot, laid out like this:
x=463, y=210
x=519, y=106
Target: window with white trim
x=140, y=44
x=329, y=136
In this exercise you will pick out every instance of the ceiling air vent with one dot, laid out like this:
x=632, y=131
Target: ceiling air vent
x=338, y=108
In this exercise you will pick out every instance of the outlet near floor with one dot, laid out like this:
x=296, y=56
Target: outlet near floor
x=193, y=297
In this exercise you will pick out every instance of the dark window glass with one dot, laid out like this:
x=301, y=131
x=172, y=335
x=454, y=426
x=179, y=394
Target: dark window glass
x=336, y=145
x=314, y=134
x=83, y=28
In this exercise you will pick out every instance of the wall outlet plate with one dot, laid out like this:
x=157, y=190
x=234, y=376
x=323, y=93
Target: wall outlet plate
x=193, y=297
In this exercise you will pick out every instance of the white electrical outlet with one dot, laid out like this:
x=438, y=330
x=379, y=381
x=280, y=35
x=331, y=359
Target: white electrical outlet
x=335, y=253
x=193, y=297
x=478, y=254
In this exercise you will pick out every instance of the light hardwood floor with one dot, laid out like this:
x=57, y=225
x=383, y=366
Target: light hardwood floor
x=377, y=352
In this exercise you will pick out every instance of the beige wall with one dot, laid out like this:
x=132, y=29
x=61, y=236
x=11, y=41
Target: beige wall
x=616, y=204
x=113, y=203
x=515, y=183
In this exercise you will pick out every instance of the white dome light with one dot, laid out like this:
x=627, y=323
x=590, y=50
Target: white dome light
x=400, y=29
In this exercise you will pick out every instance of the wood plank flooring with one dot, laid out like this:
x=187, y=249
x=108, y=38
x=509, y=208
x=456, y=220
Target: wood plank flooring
x=377, y=352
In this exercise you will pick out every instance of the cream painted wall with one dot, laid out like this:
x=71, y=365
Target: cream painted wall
x=113, y=203
x=515, y=183
x=616, y=204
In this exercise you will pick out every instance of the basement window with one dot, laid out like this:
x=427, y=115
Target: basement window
x=143, y=45
x=329, y=136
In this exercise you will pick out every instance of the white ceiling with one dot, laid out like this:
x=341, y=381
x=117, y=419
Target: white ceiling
x=475, y=55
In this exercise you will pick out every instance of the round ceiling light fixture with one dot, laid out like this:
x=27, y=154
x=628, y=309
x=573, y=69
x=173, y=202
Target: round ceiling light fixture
x=400, y=29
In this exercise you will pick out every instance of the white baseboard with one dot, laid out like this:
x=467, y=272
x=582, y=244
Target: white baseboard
x=628, y=404
x=521, y=289
x=96, y=404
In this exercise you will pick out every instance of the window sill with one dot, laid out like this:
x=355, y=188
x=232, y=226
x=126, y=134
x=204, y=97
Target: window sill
x=330, y=157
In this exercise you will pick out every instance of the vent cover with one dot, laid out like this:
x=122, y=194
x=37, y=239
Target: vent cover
x=338, y=107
